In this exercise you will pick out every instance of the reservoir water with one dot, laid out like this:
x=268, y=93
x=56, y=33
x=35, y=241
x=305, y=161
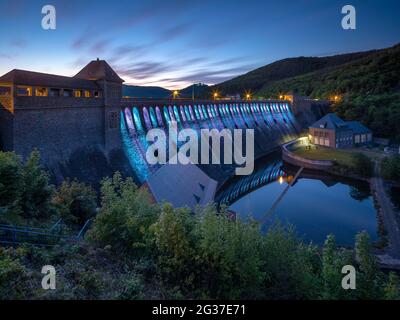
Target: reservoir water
x=316, y=205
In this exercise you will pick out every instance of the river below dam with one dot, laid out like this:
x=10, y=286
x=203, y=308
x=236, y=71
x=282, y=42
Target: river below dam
x=316, y=205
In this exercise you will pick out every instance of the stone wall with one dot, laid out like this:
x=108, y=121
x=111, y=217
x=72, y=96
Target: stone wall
x=56, y=132
x=6, y=128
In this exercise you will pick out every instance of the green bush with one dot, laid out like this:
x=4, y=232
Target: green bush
x=25, y=192
x=125, y=217
x=13, y=277
x=75, y=201
x=362, y=165
x=390, y=168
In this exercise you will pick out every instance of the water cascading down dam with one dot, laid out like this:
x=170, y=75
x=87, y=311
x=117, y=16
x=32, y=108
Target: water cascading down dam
x=273, y=123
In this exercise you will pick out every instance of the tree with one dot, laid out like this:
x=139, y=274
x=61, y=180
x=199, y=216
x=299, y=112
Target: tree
x=391, y=289
x=176, y=248
x=362, y=164
x=333, y=260
x=10, y=186
x=368, y=280
x=125, y=217
x=231, y=256
x=75, y=201
x=391, y=168
x=36, y=194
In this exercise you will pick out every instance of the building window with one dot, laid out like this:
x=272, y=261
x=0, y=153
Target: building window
x=67, y=93
x=24, y=91
x=78, y=93
x=112, y=120
x=54, y=92
x=5, y=91
x=357, y=138
x=87, y=94
x=41, y=92
x=96, y=94
x=363, y=138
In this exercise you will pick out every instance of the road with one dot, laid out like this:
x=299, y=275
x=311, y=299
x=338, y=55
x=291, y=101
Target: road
x=388, y=213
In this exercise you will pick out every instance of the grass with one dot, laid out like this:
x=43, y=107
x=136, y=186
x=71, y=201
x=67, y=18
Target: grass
x=341, y=156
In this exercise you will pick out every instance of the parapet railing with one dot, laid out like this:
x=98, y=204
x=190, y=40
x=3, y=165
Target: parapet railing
x=16, y=235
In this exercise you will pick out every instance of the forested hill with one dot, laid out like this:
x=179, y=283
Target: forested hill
x=369, y=90
x=145, y=92
x=282, y=69
x=378, y=72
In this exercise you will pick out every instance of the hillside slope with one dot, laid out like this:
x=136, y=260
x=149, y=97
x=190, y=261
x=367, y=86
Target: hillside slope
x=282, y=69
x=145, y=92
x=369, y=90
x=377, y=72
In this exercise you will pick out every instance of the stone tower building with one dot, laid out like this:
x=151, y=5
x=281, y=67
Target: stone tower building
x=63, y=117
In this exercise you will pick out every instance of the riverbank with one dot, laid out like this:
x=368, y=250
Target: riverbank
x=387, y=210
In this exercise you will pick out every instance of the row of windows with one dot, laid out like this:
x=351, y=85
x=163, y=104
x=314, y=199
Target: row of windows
x=50, y=92
x=321, y=134
x=321, y=141
x=362, y=138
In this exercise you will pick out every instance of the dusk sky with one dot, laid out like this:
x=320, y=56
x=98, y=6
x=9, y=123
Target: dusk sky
x=176, y=43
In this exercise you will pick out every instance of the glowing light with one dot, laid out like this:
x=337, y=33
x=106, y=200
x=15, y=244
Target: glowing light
x=175, y=94
x=280, y=180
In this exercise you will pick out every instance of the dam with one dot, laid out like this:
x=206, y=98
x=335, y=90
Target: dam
x=273, y=124
x=84, y=127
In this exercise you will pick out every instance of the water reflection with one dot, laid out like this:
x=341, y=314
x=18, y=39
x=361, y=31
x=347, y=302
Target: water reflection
x=316, y=205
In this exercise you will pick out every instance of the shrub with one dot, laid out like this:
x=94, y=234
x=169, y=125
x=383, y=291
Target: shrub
x=75, y=201
x=391, y=168
x=362, y=165
x=13, y=278
x=125, y=217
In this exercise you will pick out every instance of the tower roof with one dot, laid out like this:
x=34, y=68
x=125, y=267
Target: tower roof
x=98, y=70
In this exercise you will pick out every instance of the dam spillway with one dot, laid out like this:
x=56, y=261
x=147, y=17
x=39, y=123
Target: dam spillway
x=273, y=123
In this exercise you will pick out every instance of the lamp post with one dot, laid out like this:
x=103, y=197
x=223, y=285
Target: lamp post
x=175, y=94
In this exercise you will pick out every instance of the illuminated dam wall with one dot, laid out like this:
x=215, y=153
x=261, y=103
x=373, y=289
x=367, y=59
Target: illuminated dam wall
x=273, y=123
x=237, y=189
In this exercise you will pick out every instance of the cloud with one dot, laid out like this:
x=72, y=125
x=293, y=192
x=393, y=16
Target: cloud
x=175, y=31
x=5, y=56
x=18, y=43
x=209, y=76
x=143, y=70
x=100, y=46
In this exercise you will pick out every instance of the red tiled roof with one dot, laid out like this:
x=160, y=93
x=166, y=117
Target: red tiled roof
x=98, y=70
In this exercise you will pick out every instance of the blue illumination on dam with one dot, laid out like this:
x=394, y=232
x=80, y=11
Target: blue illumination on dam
x=273, y=124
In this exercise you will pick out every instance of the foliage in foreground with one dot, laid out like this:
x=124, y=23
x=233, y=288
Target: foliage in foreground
x=138, y=250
